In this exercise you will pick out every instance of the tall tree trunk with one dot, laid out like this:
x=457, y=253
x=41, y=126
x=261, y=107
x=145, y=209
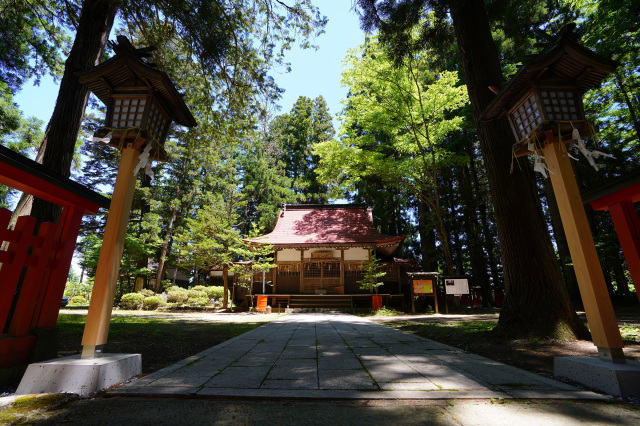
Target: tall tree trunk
x=145, y=208
x=58, y=144
x=163, y=252
x=536, y=301
x=474, y=239
x=486, y=230
x=427, y=239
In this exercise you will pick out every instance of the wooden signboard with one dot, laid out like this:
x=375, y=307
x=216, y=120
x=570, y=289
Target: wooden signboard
x=423, y=287
x=324, y=254
x=423, y=284
x=456, y=286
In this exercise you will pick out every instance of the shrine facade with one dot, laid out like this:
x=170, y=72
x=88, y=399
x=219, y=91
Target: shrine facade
x=321, y=249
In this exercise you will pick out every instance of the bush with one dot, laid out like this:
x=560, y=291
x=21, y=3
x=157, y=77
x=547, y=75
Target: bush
x=152, y=302
x=78, y=300
x=197, y=297
x=175, y=288
x=216, y=292
x=200, y=288
x=146, y=292
x=177, y=296
x=198, y=301
x=132, y=301
x=196, y=294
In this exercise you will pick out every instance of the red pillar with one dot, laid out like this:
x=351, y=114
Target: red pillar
x=627, y=224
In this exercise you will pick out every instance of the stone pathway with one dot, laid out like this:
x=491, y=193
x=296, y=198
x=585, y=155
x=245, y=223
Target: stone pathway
x=344, y=356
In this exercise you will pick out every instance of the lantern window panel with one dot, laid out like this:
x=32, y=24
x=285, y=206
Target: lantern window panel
x=156, y=123
x=560, y=105
x=527, y=116
x=127, y=112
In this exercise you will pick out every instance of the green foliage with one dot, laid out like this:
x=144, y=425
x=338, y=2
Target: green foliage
x=146, y=292
x=75, y=288
x=32, y=39
x=197, y=297
x=296, y=134
x=152, y=303
x=216, y=292
x=371, y=272
x=132, y=301
x=397, y=125
x=195, y=294
x=78, y=300
x=386, y=312
x=177, y=296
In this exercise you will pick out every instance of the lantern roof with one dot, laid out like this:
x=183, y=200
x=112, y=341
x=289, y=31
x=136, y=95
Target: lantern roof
x=127, y=73
x=563, y=61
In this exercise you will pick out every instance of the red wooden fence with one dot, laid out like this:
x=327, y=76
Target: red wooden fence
x=34, y=267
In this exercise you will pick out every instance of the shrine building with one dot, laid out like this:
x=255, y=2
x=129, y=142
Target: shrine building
x=321, y=249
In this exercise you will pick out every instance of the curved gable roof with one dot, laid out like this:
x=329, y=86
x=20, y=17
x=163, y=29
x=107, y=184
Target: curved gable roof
x=309, y=224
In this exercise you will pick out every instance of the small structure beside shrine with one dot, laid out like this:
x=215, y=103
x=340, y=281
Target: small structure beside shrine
x=320, y=250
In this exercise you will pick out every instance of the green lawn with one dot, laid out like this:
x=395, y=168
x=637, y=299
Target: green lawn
x=161, y=339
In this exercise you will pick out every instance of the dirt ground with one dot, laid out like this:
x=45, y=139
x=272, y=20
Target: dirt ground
x=471, y=332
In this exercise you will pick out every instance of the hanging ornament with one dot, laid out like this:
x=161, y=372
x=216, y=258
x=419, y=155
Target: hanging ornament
x=144, y=161
x=590, y=155
x=105, y=139
x=539, y=165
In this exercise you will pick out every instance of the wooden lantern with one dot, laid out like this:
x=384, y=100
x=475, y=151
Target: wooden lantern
x=546, y=93
x=141, y=104
x=543, y=102
x=141, y=100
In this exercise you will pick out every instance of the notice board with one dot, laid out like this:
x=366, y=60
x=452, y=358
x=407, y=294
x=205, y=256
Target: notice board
x=423, y=286
x=456, y=286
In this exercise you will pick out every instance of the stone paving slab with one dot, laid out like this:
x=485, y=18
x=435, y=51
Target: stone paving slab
x=340, y=356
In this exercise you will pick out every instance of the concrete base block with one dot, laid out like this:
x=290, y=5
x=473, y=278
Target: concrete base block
x=613, y=379
x=82, y=376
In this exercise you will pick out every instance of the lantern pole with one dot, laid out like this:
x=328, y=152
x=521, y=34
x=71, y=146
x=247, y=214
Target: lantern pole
x=595, y=297
x=108, y=269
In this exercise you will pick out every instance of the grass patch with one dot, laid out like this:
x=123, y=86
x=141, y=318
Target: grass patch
x=33, y=406
x=630, y=333
x=161, y=341
x=434, y=330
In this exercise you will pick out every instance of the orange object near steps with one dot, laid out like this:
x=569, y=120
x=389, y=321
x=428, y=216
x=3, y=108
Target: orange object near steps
x=262, y=303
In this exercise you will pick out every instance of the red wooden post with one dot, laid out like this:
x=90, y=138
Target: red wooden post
x=20, y=239
x=627, y=224
x=32, y=283
x=52, y=291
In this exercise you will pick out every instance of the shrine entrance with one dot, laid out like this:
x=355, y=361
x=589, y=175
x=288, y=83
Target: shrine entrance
x=321, y=275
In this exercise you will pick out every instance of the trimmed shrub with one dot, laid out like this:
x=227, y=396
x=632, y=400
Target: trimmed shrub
x=146, y=292
x=132, y=301
x=194, y=294
x=199, y=288
x=78, y=300
x=152, y=302
x=177, y=296
x=216, y=292
x=176, y=288
x=199, y=301
x=197, y=298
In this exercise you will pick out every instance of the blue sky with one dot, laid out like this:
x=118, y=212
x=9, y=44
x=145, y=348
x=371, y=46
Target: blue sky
x=314, y=72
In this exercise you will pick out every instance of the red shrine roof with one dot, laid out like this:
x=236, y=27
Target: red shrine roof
x=321, y=225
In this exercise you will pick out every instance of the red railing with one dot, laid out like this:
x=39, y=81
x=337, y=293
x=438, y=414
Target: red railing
x=34, y=267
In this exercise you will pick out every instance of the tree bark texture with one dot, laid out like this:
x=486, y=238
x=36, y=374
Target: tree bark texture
x=58, y=145
x=474, y=237
x=537, y=301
